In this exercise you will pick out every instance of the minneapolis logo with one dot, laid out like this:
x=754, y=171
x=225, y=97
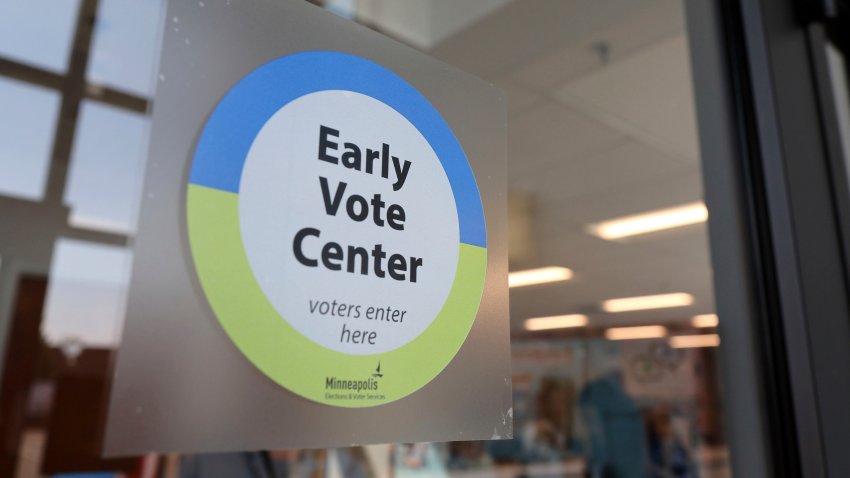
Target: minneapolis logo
x=370, y=384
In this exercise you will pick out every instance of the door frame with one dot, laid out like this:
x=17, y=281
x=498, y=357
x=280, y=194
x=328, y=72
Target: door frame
x=777, y=193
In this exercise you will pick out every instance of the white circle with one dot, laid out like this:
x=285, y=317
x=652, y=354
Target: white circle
x=280, y=194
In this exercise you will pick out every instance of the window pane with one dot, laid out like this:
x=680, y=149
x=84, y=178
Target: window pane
x=38, y=32
x=27, y=122
x=601, y=128
x=124, y=48
x=85, y=296
x=616, y=372
x=106, y=170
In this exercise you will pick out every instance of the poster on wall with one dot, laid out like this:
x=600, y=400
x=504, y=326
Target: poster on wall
x=321, y=257
x=652, y=369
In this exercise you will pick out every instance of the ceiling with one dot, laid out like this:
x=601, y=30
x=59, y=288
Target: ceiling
x=601, y=125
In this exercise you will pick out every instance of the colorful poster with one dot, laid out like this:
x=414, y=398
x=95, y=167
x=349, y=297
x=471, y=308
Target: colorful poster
x=338, y=215
x=321, y=257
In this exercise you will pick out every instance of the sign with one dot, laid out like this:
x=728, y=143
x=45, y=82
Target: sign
x=652, y=369
x=321, y=257
x=337, y=215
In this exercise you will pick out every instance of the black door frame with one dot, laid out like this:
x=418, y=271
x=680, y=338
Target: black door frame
x=776, y=188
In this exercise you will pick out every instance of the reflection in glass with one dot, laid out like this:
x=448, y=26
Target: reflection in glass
x=841, y=90
x=601, y=127
x=27, y=121
x=85, y=296
x=38, y=32
x=106, y=168
x=126, y=29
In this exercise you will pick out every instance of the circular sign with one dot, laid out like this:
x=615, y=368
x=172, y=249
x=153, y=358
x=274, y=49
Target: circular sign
x=336, y=229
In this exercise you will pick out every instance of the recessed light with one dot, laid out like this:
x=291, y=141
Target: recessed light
x=694, y=341
x=542, y=275
x=704, y=320
x=556, y=322
x=632, y=333
x=627, y=226
x=660, y=301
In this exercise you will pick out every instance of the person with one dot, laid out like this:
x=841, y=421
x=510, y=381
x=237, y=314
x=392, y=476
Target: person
x=418, y=460
x=615, y=428
x=547, y=437
x=468, y=455
x=668, y=457
x=215, y=465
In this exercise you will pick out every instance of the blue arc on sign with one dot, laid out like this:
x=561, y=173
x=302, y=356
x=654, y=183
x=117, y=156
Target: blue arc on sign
x=238, y=118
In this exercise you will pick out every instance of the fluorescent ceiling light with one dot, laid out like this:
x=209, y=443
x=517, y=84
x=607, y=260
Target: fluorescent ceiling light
x=660, y=301
x=631, y=333
x=653, y=221
x=556, y=322
x=539, y=276
x=704, y=320
x=694, y=341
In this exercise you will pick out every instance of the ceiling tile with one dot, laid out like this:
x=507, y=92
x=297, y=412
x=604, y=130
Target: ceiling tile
x=520, y=98
x=648, y=96
x=656, y=20
x=549, y=133
x=623, y=163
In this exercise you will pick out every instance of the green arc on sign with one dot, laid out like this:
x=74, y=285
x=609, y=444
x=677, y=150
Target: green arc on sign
x=288, y=357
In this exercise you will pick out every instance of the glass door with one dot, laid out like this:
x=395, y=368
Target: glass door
x=673, y=300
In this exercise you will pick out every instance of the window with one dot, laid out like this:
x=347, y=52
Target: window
x=106, y=167
x=614, y=343
x=27, y=125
